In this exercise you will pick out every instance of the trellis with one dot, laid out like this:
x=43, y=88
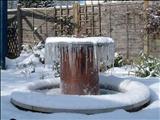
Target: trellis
x=83, y=16
x=14, y=40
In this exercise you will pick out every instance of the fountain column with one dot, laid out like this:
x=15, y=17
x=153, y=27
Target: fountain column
x=79, y=69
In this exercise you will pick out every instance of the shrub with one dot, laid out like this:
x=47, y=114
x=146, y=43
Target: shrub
x=147, y=66
x=118, y=62
x=56, y=68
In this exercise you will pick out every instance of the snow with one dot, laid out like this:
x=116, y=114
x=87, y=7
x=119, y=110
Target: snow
x=91, y=2
x=93, y=40
x=12, y=80
x=133, y=93
x=43, y=84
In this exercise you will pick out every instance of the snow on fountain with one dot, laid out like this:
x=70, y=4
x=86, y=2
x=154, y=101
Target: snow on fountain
x=132, y=95
x=103, y=49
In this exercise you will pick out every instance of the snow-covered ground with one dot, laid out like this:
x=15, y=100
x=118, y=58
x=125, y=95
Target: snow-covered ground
x=16, y=78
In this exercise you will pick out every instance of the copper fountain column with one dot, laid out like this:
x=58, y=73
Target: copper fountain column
x=79, y=70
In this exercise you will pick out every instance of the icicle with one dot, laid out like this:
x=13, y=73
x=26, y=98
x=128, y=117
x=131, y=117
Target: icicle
x=86, y=59
x=73, y=58
x=95, y=56
x=70, y=55
x=90, y=54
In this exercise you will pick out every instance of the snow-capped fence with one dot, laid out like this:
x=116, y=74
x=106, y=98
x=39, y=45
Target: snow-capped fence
x=123, y=21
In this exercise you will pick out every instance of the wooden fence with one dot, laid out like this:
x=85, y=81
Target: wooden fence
x=124, y=22
x=40, y=23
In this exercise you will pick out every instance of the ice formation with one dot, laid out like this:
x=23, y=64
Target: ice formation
x=103, y=48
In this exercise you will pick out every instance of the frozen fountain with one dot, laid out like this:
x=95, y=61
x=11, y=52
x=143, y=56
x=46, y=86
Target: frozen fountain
x=80, y=82
x=79, y=61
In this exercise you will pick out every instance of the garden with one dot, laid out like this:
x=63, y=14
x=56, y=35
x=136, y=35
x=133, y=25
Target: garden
x=66, y=65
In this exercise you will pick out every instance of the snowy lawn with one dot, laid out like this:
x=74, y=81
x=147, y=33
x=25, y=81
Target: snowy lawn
x=16, y=79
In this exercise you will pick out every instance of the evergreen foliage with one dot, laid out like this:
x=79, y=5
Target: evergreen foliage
x=147, y=66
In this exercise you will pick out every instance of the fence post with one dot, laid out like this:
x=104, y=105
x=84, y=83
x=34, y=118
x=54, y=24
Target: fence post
x=76, y=18
x=99, y=16
x=19, y=26
x=110, y=19
x=127, y=31
x=3, y=33
x=146, y=37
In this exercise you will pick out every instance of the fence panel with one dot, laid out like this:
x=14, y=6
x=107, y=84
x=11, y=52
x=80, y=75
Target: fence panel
x=124, y=22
